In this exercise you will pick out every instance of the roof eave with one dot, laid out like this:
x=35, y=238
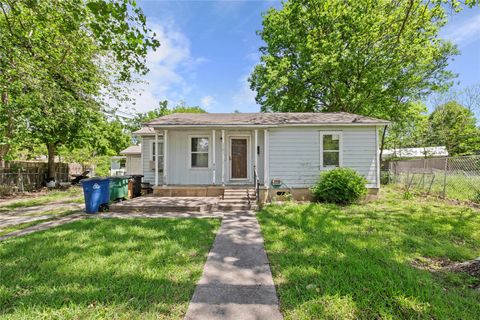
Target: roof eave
x=266, y=126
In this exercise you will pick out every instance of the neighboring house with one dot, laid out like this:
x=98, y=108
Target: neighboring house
x=426, y=152
x=202, y=154
x=130, y=162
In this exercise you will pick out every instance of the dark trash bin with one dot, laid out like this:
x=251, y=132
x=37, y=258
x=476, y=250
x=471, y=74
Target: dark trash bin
x=119, y=188
x=137, y=185
x=96, y=192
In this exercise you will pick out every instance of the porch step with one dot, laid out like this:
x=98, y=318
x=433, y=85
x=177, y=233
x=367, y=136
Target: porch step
x=231, y=207
x=240, y=197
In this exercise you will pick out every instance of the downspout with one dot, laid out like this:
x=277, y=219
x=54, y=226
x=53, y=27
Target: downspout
x=383, y=142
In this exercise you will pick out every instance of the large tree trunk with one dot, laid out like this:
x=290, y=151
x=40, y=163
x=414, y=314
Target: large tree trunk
x=7, y=132
x=51, y=147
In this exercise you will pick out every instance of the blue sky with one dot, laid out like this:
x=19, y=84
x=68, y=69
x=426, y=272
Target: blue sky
x=208, y=49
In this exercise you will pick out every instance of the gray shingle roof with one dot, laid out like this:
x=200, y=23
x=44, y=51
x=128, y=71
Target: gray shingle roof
x=132, y=150
x=260, y=119
x=144, y=131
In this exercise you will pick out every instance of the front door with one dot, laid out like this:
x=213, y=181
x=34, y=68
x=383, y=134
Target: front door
x=238, y=155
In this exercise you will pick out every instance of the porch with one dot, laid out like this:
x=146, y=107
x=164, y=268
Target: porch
x=201, y=161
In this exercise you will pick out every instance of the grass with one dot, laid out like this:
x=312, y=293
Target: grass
x=73, y=194
x=105, y=269
x=358, y=262
x=459, y=187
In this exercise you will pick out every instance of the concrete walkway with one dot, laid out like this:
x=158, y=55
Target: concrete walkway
x=10, y=217
x=236, y=282
x=44, y=225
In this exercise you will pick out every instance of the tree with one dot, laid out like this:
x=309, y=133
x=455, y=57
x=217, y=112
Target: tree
x=411, y=130
x=162, y=110
x=369, y=57
x=454, y=126
x=59, y=57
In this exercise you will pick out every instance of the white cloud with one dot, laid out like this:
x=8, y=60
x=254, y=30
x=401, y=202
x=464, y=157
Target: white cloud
x=465, y=33
x=245, y=97
x=207, y=102
x=169, y=66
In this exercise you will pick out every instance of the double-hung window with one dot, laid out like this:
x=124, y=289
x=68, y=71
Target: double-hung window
x=199, y=147
x=331, y=149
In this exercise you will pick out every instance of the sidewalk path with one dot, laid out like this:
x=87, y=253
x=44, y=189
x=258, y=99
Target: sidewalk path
x=236, y=282
x=9, y=217
x=44, y=225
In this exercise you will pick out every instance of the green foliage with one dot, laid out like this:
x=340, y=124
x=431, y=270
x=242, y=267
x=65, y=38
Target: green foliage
x=58, y=58
x=409, y=129
x=162, y=110
x=454, y=126
x=340, y=185
x=367, y=57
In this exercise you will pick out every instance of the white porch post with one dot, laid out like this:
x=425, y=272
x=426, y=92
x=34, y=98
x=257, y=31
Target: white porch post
x=141, y=156
x=255, y=158
x=266, y=177
x=213, y=156
x=165, y=156
x=156, y=158
x=223, y=157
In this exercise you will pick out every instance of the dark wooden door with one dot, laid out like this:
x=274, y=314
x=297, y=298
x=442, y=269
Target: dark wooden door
x=239, y=158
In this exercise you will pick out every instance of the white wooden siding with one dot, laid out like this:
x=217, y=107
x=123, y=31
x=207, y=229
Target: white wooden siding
x=148, y=173
x=134, y=165
x=295, y=153
x=179, y=171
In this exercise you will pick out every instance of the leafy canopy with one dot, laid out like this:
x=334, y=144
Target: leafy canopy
x=454, y=126
x=369, y=57
x=58, y=60
x=162, y=110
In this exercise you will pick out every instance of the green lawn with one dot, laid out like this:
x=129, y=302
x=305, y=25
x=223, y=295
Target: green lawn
x=74, y=194
x=369, y=261
x=105, y=269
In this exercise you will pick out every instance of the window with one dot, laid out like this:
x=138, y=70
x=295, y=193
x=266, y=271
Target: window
x=160, y=154
x=331, y=149
x=199, y=147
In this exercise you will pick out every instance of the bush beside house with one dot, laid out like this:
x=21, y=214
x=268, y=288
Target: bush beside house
x=340, y=185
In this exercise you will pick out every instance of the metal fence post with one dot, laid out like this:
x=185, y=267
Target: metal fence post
x=445, y=178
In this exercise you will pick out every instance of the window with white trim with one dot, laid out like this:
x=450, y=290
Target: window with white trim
x=331, y=149
x=199, y=147
x=160, y=154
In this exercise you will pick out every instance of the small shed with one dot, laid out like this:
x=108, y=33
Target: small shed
x=133, y=159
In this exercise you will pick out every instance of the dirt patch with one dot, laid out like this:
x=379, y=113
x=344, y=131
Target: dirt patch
x=24, y=195
x=471, y=267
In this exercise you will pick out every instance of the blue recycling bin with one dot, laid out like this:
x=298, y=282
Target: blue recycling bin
x=96, y=192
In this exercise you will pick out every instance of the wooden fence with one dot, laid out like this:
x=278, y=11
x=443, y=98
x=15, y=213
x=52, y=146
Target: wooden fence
x=19, y=176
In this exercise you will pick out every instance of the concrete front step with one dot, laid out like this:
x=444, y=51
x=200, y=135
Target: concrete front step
x=237, y=193
x=236, y=200
x=228, y=207
x=203, y=208
x=244, y=198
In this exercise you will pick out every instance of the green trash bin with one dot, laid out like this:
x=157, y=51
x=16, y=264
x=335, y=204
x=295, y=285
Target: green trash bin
x=119, y=188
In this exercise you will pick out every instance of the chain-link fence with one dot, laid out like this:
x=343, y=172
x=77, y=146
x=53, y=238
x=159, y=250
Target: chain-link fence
x=450, y=177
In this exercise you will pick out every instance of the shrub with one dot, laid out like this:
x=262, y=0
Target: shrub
x=340, y=185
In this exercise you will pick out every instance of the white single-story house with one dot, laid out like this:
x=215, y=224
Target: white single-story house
x=202, y=154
